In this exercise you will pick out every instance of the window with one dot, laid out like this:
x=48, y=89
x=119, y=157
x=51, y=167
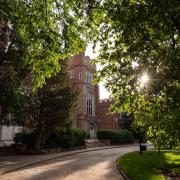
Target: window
x=121, y=115
x=71, y=74
x=80, y=75
x=89, y=77
x=90, y=104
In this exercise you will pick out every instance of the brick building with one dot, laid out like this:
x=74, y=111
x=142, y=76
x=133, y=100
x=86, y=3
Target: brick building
x=91, y=112
x=81, y=72
x=106, y=120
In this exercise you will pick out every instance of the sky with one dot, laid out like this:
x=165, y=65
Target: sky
x=89, y=52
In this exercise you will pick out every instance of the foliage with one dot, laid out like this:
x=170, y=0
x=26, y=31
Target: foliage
x=163, y=124
x=66, y=141
x=137, y=38
x=49, y=107
x=12, y=72
x=115, y=136
x=148, y=165
x=34, y=36
x=66, y=138
x=59, y=138
x=26, y=137
x=49, y=30
x=79, y=136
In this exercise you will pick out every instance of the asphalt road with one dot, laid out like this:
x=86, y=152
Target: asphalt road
x=93, y=165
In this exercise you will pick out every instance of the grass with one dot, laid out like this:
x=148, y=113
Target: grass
x=149, y=165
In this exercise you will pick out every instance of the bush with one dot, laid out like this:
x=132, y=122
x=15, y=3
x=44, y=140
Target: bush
x=66, y=141
x=25, y=137
x=123, y=136
x=66, y=138
x=60, y=138
x=79, y=136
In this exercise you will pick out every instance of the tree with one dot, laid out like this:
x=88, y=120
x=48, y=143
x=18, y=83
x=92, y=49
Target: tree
x=12, y=71
x=49, y=107
x=34, y=36
x=139, y=37
x=45, y=33
x=49, y=30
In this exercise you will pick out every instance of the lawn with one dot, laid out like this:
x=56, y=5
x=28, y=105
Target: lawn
x=151, y=165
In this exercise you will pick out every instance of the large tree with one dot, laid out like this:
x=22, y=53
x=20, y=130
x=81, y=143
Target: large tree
x=50, y=107
x=12, y=71
x=141, y=37
x=34, y=36
x=49, y=30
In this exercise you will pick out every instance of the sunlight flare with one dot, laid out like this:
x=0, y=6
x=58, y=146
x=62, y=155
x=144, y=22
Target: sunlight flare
x=143, y=80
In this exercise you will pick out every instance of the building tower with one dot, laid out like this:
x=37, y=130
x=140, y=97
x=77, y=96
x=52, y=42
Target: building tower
x=81, y=72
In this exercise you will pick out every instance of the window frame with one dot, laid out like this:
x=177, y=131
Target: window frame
x=71, y=74
x=89, y=77
x=90, y=104
x=80, y=75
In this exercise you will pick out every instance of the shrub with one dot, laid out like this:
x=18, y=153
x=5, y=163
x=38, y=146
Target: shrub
x=127, y=136
x=66, y=138
x=59, y=138
x=25, y=137
x=123, y=136
x=79, y=136
x=52, y=141
x=66, y=141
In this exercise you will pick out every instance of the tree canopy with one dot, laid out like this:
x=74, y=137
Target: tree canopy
x=136, y=37
x=48, y=108
x=141, y=37
x=34, y=36
x=49, y=30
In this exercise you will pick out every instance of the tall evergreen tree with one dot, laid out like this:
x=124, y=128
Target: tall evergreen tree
x=50, y=107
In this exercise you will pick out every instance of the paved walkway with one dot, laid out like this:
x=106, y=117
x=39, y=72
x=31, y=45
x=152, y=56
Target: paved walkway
x=76, y=165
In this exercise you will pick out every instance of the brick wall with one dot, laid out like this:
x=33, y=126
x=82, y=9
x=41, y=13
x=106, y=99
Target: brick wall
x=106, y=120
x=80, y=63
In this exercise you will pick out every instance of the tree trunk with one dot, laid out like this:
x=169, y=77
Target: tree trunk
x=159, y=149
x=38, y=136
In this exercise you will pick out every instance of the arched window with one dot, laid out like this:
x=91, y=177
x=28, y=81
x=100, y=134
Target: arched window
x=71, y=74
x=90, y=104
x=89, y=77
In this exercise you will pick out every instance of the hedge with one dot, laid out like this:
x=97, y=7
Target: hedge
x=25, y=137
x=60, y=138
x=66, y=138
x=123, y=136
x=79, y=136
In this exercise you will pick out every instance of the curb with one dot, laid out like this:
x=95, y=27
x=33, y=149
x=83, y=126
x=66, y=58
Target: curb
x=63, y=155
x=122, y=172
